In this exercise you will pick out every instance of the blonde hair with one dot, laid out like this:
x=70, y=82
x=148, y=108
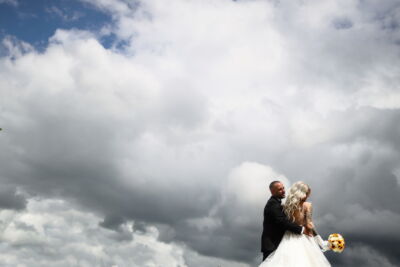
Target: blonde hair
x=297, y=192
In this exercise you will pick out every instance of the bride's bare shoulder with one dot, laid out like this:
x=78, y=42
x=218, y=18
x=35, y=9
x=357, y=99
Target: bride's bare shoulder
x=307, y=205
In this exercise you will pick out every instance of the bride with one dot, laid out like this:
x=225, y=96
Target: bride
x=297, y=250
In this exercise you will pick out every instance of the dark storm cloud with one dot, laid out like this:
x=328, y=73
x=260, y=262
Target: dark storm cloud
x=10, y=199
x=356, y=192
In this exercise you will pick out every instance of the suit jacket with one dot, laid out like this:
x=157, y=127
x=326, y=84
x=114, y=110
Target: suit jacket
x=275, y=224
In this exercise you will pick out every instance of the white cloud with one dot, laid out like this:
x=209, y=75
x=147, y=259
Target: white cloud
x=53, y=233
x=248, y=183
x=15, y=48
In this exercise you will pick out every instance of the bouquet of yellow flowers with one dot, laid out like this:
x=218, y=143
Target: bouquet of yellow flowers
x=336, y=243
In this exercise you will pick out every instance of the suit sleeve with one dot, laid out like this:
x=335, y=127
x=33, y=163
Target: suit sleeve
x=281, y=219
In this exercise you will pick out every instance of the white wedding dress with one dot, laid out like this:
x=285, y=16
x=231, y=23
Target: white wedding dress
x=297, y=250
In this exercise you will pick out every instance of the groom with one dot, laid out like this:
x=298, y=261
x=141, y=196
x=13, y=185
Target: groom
x=275, y=221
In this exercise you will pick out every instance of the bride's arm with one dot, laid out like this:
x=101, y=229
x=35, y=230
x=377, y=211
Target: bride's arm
x=308, y=216
x=310, y=226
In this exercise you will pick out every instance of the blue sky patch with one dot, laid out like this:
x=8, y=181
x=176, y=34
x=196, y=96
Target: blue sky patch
x=35, y=21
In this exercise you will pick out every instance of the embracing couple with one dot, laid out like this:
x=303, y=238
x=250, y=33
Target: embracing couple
x=289, y=238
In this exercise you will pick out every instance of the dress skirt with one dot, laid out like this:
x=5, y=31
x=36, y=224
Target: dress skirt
x=296, y=251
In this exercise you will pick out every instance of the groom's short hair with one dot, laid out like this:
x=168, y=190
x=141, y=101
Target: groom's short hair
x=271, y=185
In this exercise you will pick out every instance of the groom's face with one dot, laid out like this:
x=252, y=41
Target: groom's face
x=278, y=190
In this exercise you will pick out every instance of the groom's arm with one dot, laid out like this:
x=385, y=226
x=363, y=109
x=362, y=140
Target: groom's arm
x=281, y=219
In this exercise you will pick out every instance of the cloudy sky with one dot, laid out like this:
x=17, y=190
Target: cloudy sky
x=145, y=133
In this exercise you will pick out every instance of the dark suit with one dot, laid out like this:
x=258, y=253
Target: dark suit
x=274, y=226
